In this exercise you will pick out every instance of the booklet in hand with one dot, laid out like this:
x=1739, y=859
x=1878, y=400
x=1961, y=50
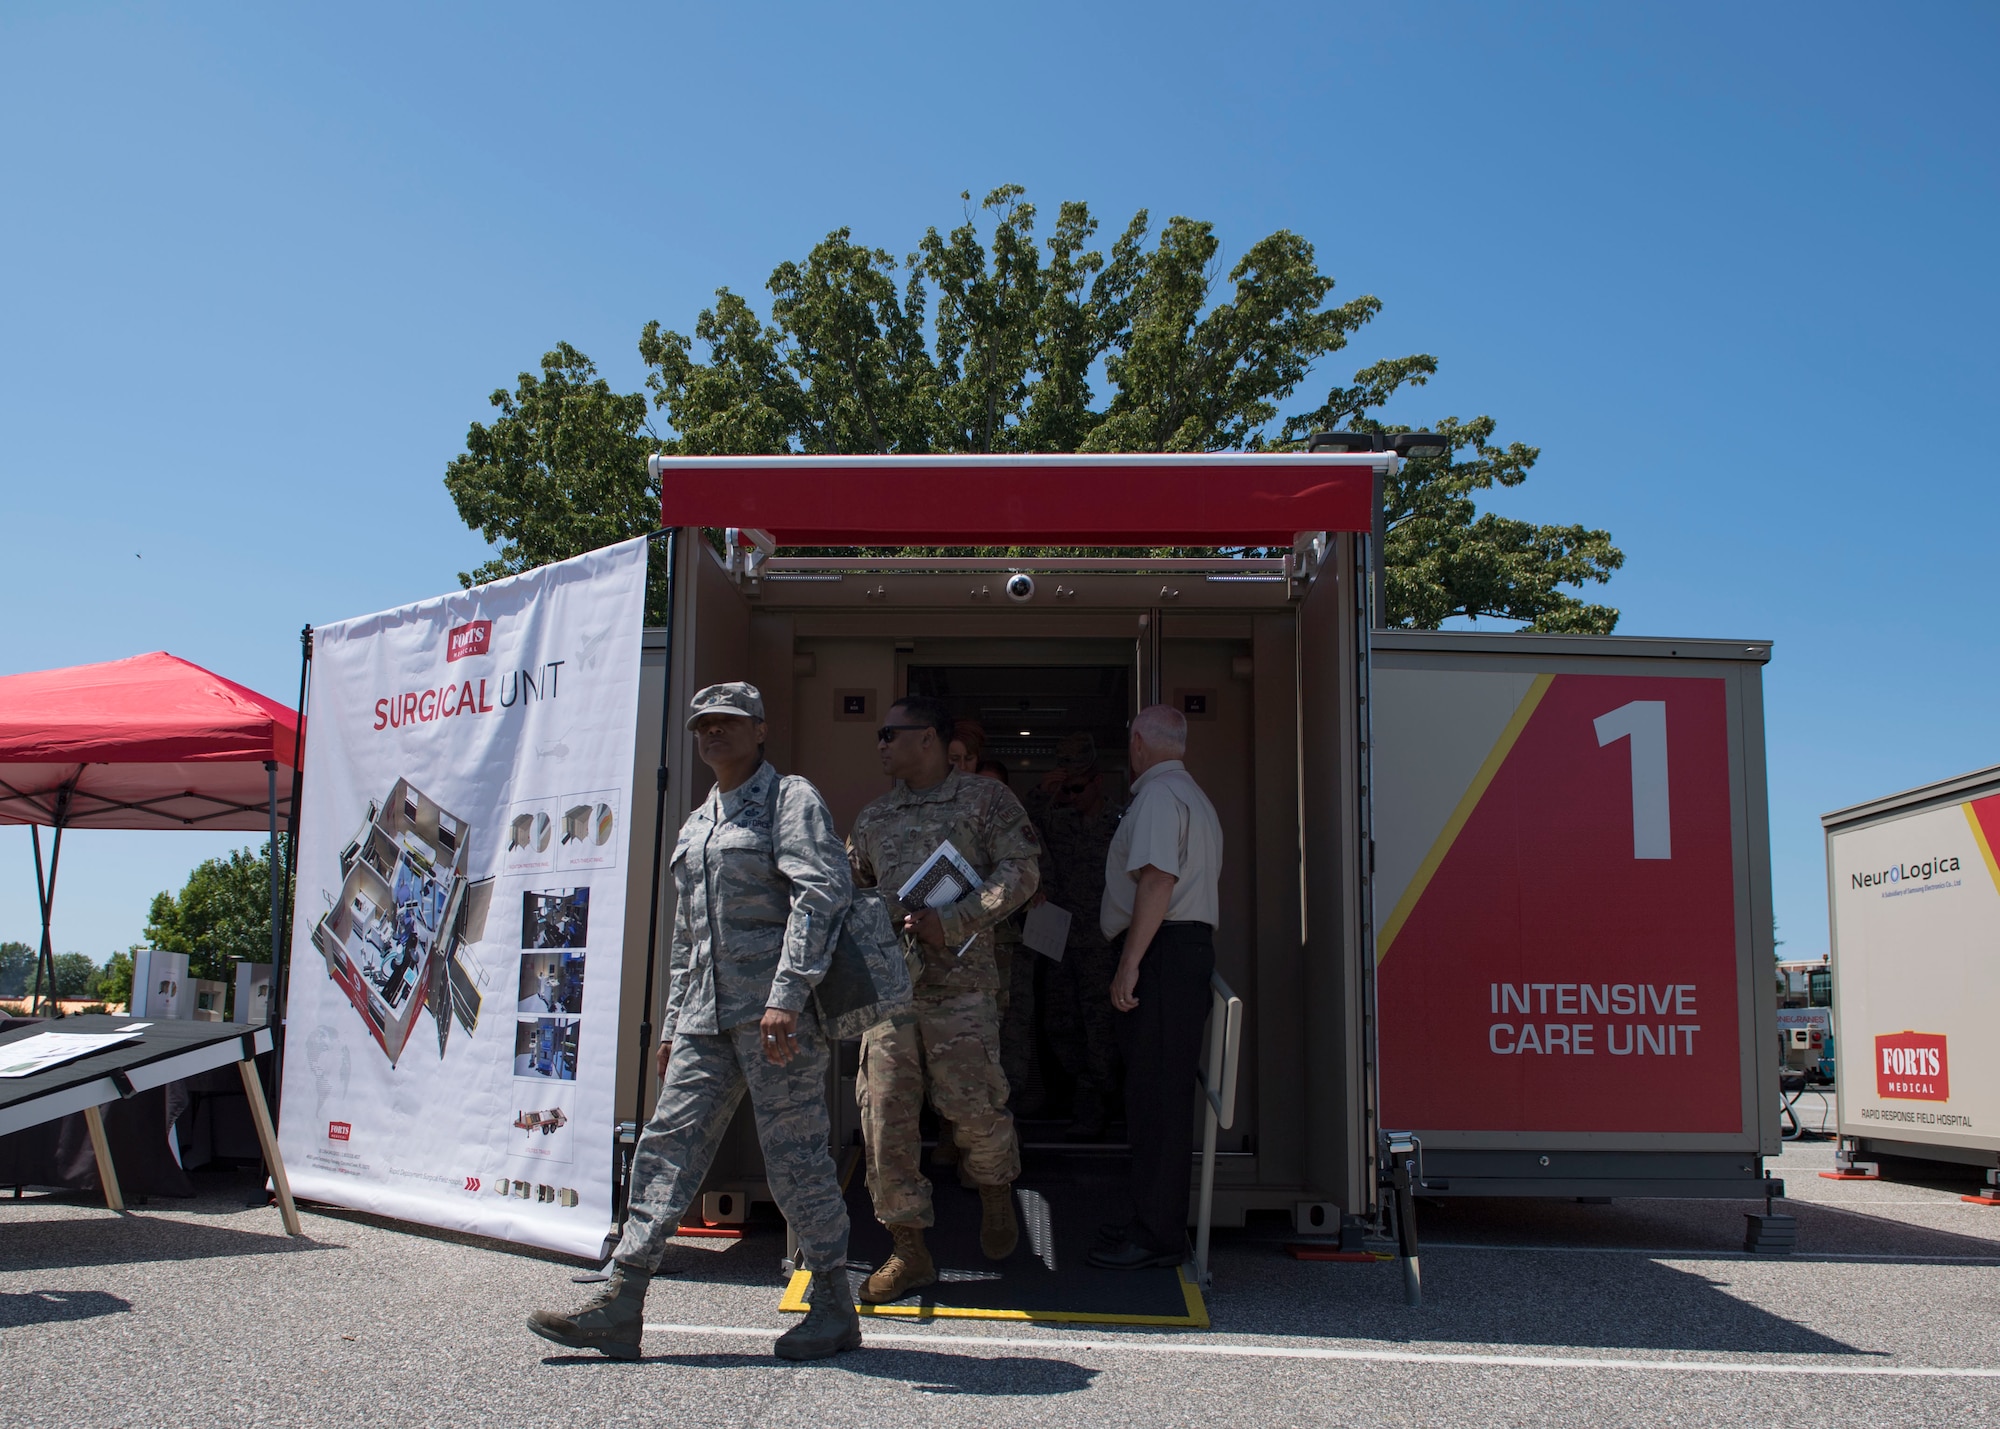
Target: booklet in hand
x=944, y=879
x=1046, y=930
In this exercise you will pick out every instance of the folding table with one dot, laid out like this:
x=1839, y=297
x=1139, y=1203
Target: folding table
x=165, y=1051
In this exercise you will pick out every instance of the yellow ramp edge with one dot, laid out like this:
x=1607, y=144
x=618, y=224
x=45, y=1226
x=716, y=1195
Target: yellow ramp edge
x=1196, y=1317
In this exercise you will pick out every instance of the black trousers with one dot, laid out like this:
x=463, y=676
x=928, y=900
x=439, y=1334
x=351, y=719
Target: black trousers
x=1161, y=1043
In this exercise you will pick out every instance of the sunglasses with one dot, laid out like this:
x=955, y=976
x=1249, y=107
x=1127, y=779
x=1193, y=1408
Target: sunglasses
x=887, y=733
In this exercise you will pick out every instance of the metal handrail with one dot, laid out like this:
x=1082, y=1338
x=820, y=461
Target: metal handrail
x=1218, y=1086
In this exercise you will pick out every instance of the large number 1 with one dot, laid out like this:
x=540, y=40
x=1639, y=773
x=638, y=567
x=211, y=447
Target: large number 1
x=1644, y=722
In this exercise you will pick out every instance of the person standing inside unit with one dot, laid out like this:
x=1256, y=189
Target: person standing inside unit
x=1160, y=907
x=1078, y=820
x=967, y=747
x=761, y=882
x=1016, y=966
x=954, y=1025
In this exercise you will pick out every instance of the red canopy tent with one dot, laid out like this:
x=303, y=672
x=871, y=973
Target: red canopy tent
x=152, y=742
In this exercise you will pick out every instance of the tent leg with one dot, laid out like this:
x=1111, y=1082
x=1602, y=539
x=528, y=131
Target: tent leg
x=45, y=961
x=107, y=1174
x=271, y=855
x=260, y=1113
x=251, y=1074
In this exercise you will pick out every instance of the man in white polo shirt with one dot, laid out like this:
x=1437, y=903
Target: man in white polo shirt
x=1160, y=907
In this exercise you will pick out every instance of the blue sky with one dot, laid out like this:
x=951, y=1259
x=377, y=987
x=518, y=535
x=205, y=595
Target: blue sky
x=1730, y=267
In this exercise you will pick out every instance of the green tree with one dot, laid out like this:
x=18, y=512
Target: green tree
x=222, y=914
x=561, y=471
x=1443, y=558
x=76, y=975
x=17, y=969
x=986, y=339
x=114, y=984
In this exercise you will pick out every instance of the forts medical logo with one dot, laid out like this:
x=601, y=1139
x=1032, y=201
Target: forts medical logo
x=473, y=638
x=338, y=1131
x=1911, y=1066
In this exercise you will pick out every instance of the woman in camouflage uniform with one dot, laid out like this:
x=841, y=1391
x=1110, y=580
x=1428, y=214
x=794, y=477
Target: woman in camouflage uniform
x=762, y=881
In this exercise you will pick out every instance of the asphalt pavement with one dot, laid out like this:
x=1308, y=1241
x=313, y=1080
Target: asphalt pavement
x=1542, y=1313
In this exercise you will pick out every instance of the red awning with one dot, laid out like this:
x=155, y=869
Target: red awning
x=152, y=742
x=1198, y=499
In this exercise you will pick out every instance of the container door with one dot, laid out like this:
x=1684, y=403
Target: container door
x=1338, y=1070
x=710, y=628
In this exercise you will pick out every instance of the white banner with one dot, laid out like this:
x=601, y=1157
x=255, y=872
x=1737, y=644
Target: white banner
x=464, y=843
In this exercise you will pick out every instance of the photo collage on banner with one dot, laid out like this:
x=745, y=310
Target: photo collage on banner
x=462, y=866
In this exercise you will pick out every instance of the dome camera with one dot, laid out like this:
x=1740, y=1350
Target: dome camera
x=1020, y=587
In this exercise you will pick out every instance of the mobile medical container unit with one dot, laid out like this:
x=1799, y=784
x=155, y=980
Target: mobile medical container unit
x=1913, y=894
x=1573, y=912
x=1270, y=661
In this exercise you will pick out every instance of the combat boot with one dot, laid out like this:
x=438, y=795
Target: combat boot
x=999, y=1233
x=829, y=1327
x=610, y=1322
x=909, y=1267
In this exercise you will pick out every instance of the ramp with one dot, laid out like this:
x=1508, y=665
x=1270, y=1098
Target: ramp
x=1061, y=1200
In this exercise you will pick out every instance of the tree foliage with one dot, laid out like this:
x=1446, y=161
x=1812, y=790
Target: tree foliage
x=76, y=974
x=114, y=984
x=988, y=339
x=17, y=969
x=222, y=914
x=561, y=470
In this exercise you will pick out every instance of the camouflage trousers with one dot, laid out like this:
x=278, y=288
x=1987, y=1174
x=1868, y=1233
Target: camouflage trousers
x=1081, y=1023
x=1016, y=962
x=706, y=1078
x=957, y=1034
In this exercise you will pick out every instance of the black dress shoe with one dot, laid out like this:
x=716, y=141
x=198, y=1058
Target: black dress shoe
x=1130, y=1255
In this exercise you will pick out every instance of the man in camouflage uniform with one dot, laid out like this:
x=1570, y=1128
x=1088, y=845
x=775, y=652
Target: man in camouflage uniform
x=760, y=880
x=954, y=1025
x=1078, y=820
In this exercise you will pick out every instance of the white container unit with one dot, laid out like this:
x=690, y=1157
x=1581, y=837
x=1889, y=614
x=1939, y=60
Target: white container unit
x=1913, y=892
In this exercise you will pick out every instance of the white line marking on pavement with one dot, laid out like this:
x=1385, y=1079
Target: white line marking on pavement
x=1687, y=1253
x=884, y=1339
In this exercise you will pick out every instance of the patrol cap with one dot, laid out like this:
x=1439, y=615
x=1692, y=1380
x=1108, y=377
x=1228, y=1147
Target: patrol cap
x=734, y=698
x=1076, y=751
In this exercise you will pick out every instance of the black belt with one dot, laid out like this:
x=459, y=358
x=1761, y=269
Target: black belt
x=1187, y=923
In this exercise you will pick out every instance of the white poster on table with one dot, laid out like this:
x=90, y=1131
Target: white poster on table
x=452, y=994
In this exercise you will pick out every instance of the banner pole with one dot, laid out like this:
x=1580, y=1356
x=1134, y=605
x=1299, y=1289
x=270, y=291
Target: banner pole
x=673, y=537
x=282, y=934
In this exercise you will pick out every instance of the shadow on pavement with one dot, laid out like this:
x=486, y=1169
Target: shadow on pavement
x=1512, y=1297
x=42, y=1307
x=135, y=1239
x=925, y=1371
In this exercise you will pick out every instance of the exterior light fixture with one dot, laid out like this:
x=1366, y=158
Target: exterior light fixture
x=1414, y=445
x=1418, y=445
x=1345, y=442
